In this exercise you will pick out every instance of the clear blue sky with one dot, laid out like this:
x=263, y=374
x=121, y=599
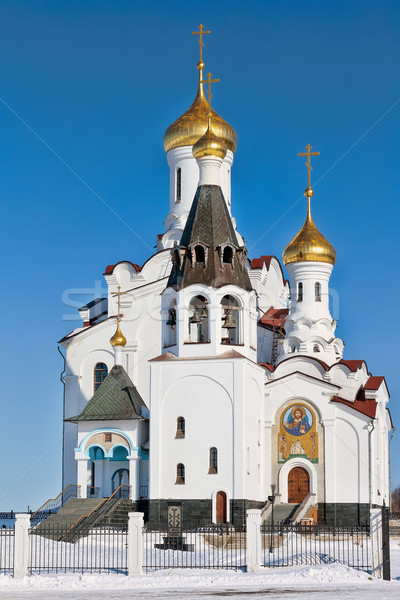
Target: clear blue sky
x=99, y=82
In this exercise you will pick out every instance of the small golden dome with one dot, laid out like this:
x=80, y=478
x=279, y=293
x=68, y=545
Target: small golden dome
x=192, y=125
x=209, y=144
x=309, y=244
x=118, y=339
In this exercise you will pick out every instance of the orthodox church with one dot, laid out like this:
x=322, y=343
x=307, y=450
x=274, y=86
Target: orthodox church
x=209, y=382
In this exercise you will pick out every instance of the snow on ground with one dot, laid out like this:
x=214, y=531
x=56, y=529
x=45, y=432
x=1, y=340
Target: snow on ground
x=333, y=580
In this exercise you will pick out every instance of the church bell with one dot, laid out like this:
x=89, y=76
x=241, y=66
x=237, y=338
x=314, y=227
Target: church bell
x=196, y=317
x=229, y=323
x=204, y=313
x=171, y=317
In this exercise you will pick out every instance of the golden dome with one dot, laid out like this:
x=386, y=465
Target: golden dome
x=118, y=339
x=209, y=144
x=309, y=244
x=192, y=125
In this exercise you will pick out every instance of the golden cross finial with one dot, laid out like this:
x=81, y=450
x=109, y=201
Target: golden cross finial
x=308, y=163
x=200, y=34
x=209, y=81
x=118, y=294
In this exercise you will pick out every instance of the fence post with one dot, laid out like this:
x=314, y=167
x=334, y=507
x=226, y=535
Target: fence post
x=376, y=541
x=253, y=540
x=385, y=543
x=135, y=543
x=21, y=544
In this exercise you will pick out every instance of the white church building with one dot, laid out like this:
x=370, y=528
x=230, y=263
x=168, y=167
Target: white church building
x=208, y=381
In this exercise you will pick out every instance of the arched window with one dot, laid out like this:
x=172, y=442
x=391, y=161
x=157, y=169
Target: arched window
x=300, y=292
x=213, y=468
x=180, y=427
x=100, y=373
x=180, y=474
x=198, y=320
x=317, y=292
x=199, y=254
x=227, y=256
x=170, y=325
x=230, y=330
x=178, y=184
x=316, y=348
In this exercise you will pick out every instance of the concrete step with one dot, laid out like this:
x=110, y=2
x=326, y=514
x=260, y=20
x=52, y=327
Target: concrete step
x=283, y=513
x=70, y=513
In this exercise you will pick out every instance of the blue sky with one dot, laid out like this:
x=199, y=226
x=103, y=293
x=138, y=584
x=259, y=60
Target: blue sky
x=86, y=93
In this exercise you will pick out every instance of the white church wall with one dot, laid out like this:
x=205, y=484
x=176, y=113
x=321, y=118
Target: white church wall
x=206, y=405
x=255, y=452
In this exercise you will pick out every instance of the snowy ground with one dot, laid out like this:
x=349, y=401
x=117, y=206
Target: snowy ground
x=332, y=581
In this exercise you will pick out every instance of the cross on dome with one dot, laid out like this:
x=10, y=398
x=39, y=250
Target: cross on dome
x=200, y=34
x=209, y=81
x=308, y=165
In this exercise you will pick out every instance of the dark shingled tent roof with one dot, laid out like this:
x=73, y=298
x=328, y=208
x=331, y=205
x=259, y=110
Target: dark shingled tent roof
x=210, y=224
x=115, y=399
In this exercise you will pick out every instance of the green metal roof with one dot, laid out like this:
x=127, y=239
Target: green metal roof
x=116, y=399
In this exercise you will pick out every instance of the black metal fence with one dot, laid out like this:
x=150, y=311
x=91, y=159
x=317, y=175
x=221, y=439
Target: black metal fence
x=288, y=545
x=194, y=547
x=96, y=550
x=7, y=551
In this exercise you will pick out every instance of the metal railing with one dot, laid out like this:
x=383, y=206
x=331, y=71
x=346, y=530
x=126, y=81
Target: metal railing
x=7, y=551
x=54, y=504
x=194, y=547
x=97, y=550
x=288, y=545
x=85, y=521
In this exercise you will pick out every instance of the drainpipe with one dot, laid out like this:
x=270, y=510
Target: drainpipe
x=390, y=468
x=63, y=437
x=371, y=428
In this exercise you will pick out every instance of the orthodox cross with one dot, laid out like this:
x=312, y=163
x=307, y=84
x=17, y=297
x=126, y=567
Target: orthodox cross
x=209, y=81
x=118, y=294
x=200, y=34
x=308, y=163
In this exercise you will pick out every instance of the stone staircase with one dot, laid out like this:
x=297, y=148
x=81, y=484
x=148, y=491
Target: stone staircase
x=73, y=510
x=283, y=513
x=117, y=516
x=61, y=525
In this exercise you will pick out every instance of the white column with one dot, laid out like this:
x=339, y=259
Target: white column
x=21, y=544
x=82, y=475
x=329, y=458
x=118, y=356
x=253, y=540
x=376, y=542
x=134, y=475
x=135, y=543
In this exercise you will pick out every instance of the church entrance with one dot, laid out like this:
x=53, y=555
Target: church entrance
x=221, y=507
x=298, y=485
x=120, y=477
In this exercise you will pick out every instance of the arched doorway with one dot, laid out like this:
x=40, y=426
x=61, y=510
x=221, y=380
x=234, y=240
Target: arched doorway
x=298, y=485
x=121, y=476
x=220, y=507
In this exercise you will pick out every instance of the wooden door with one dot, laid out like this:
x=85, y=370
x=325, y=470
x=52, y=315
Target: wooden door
x=298, y=485
x=221, y=507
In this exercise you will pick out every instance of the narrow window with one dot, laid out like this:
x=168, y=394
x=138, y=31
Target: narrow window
x=316, y=348
x=300, y=293
x=180, y=427
x=317, y=292
x=227, y=256
x=213, y=468
x=100, y=373
x=180, y=474
x=199, y=254
x=178, y=184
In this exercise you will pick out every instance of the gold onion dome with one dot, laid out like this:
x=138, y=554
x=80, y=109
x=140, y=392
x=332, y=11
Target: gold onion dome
x=209, y=144
x=118, y=339
x=309, y=244
x=192, y=125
